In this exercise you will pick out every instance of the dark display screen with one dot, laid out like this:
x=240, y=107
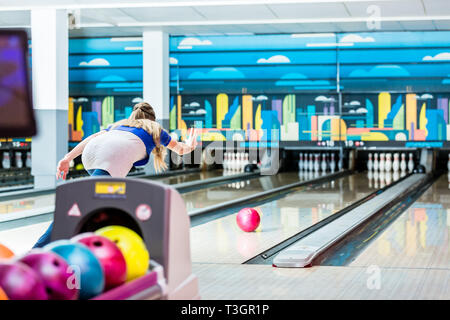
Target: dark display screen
x=16, y=110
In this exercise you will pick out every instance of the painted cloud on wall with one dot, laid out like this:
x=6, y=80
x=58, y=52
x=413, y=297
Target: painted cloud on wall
x=188, y=43
x=356, y=38
x=95, y=62
x=275, y=59
x=218, y=73
x=443, y=56
x=381, y=71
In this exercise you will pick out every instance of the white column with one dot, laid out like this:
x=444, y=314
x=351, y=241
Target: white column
x=155, y=54
x=49, y=41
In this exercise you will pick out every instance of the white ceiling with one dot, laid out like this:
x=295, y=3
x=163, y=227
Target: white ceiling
x=195, y=17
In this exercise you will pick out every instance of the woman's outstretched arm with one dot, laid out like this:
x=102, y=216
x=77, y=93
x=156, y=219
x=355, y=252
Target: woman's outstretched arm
x=63, y=165
x=184, y=148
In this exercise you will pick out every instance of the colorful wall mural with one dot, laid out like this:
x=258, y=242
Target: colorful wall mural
x=312, y=117
x=376, y=86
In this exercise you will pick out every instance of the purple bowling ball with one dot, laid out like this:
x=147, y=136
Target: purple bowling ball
x=20, y=282
x=55, y=273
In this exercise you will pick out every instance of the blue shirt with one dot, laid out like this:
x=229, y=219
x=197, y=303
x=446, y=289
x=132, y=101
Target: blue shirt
x=147, y=139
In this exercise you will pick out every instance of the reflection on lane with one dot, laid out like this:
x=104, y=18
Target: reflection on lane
x=194, y=176
x=47, y=202
x=207, y=197
x=221, y=241
x=26, y=204
x=417, y=238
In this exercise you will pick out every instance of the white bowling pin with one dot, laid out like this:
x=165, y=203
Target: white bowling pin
x=316, y=163
x=370, y=177
x=396, y=175
x=370, y=163
x=410, y=163
x=381, y=163
x=6, y=163
x=375, y=162
x=300, y=162
x=332, y=163
x=233, y=162
x=246, y=162
x=382, y=177
x=396, y=163
x=388, y=163
x=324, y=162
x=19, y=162
x=28, y=162
x=225, y=161
x=388, y=177
x=376, y=176
x=403, y=163
x=311, y=162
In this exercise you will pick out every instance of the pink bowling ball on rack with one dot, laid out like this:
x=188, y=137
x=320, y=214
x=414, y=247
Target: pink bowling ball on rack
x=248, y=219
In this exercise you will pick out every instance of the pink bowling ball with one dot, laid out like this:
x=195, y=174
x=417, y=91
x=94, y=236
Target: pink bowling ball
x=54, y=272
x=110, y=257
x=20, y=282
x=248, y=219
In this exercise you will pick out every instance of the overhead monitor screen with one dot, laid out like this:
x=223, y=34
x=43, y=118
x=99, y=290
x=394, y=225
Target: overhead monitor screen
x=16, y=110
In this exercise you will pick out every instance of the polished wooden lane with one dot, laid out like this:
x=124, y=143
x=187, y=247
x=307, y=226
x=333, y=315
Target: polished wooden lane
x=419, y=238
x=189, y=177
x=259, y=282
x=203, y=198
x=221, y=241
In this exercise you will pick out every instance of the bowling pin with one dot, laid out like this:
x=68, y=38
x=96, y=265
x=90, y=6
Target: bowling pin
x=311, y=162
x=340, y=164
x=388, y=177
x=381, y=163
x=225, y=161
x=370, y=177
x=375, y=162
x=376, y=176
x=382, y=177
x=396, y=175
x=19, y=162
x=28, y=162
x=324, y=162
x=410, y=163
x=403, y=163
x=316, y=163
x=6, y=163
x=388, y=163
x=300, y=162
x=370, y=163
x=246, y=162
x=396, y=163
x=332, y=163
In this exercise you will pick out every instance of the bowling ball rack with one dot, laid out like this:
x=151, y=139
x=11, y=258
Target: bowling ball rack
x=153, y=210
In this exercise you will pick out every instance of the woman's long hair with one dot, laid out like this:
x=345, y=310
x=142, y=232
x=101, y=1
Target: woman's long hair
x=143, y=116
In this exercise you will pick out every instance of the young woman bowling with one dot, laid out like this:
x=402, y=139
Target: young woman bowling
x=124, y=144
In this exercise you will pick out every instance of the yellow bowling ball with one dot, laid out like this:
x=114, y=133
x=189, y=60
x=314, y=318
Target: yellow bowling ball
x=133, y=249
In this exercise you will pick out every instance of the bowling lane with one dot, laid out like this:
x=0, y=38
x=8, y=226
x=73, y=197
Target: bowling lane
x=199, y=199
x=35, y=205
x=419, y=238
x=26, y=207
x=221, y=241
x=194, y=176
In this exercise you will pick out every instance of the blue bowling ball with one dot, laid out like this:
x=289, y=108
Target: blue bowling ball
x=88, y=271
